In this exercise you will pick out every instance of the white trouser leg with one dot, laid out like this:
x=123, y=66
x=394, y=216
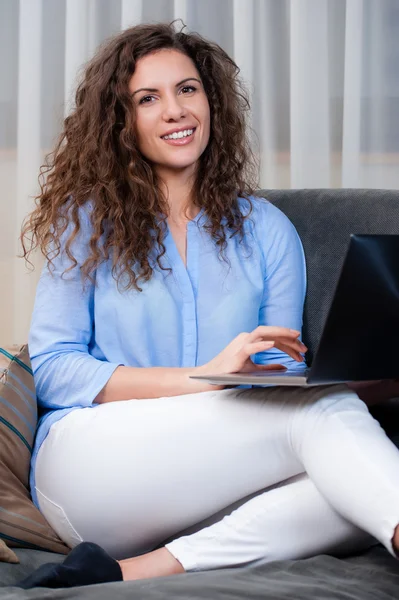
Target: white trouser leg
x=128, y=475
x=291, y=521
x=343, y=450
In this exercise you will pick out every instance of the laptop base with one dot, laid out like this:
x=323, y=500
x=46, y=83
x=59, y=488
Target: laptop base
x=295, y=378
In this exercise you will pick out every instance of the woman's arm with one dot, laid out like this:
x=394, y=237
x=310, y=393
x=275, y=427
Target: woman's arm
x=155, y=382
x=235, y=357
x=65, y=373
x=375, y=392
x=284, y=281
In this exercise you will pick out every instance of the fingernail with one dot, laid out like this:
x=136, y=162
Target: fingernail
x=295, y=331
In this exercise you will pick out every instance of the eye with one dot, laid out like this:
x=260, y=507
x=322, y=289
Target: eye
x=188, y=88
x=145, y=99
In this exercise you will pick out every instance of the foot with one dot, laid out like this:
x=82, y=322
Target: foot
x=86, y=564
x=158, y=563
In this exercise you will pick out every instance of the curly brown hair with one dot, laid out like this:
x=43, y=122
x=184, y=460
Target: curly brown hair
x=96, y=159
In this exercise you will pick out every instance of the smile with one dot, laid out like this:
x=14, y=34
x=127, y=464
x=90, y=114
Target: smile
x=180, y=138
x=178, y=135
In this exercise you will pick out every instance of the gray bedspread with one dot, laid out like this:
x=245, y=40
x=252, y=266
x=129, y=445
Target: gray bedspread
x=372, y=575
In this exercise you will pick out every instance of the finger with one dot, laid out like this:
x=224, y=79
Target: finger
x=294, y=352
x=254, y=348
x=290, y=351
x=296, y=345
x=289, y=347
x=280, y=335
x=272, y=332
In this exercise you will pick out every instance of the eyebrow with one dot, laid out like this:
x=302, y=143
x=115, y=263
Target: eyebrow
x=177, y=85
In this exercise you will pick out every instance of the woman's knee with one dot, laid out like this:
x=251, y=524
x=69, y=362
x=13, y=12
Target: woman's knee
x=331, y=400
x=324, y=411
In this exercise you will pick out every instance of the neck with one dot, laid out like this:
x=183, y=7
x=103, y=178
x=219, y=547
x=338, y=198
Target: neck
x=177, y=189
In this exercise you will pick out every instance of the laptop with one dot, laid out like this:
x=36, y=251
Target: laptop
x=360, y=338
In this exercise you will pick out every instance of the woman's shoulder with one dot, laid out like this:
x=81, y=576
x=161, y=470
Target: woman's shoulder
x=76, y=235
x=264, y=215
x=272, y=230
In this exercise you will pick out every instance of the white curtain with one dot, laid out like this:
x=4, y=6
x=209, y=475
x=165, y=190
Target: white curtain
x=323, y=77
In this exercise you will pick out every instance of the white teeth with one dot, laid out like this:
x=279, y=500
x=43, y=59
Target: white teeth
x=177, y=135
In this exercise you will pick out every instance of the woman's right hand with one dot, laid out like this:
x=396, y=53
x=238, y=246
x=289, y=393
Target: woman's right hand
x=236, y=357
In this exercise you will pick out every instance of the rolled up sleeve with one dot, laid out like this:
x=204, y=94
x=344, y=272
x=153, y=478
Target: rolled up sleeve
x=284, y=280
x=64, y=371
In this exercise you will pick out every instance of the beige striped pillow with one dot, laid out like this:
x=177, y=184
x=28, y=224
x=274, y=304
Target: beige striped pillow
x=21, y=523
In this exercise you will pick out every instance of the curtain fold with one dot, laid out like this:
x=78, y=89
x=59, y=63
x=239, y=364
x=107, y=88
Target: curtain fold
x=322, y=76
x=309, y=97
x=28, y=151
x=79, y=34
x=352, y=94
x=131, y=13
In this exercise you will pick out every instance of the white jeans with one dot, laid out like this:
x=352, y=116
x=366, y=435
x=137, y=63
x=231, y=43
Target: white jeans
x=129, y=475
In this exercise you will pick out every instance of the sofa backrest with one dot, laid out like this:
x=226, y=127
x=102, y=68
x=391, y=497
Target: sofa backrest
x=324, y=219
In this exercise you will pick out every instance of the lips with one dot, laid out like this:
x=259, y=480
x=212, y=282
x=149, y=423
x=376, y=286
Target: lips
x=183, y=141
x=178, y=130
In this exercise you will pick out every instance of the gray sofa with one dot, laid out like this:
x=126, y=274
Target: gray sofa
x=324, y=220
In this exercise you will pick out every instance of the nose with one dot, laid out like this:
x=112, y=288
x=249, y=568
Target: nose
x=173, y=109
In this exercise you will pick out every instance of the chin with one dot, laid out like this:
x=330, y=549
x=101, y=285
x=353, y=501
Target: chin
x=178, y=165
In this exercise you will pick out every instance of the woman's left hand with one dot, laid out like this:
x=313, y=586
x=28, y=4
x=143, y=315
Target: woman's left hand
x=373, y=392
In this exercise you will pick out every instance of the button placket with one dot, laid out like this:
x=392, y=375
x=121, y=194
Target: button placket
x=183, y=276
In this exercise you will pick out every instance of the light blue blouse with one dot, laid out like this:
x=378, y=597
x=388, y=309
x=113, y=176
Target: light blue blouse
x=183, y=318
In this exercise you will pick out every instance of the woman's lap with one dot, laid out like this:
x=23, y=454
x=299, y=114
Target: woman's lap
x=134, y=473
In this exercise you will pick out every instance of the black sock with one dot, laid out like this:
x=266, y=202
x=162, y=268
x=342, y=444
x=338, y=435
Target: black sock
x=86, y=564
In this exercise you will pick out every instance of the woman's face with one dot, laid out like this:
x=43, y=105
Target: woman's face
x=170, y=101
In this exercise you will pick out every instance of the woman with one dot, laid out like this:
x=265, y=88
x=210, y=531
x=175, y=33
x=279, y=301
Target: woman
x=163, y=264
